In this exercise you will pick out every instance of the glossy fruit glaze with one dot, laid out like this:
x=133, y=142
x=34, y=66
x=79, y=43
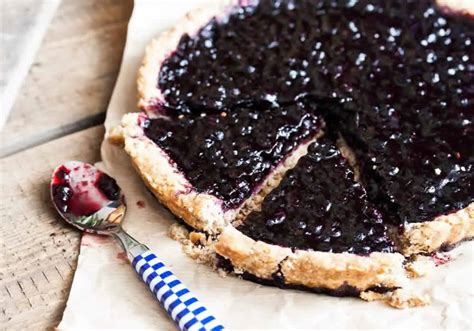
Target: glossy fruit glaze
x=403, y=71
x=229, y=153
x=319, y=206
x=80, y=189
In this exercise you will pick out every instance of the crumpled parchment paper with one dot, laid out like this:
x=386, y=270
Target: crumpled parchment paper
x=107, y=294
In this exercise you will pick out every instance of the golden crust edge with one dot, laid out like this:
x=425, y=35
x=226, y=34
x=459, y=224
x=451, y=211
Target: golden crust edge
x=462, y=6
x=200, y=210
x=443, y=231
x=311, y=269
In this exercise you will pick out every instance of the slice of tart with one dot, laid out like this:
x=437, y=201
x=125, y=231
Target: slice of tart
x=421, y=176
x=209, y=167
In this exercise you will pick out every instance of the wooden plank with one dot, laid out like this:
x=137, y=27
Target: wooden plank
x=38, y=251
x=24, y=24
x=69, y=84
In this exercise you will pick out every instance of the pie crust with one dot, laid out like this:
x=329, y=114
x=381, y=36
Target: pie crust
x=331, y=271
x=311, y=268
x=443, y=232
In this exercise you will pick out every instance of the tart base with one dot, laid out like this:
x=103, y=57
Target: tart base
x=379, y=276
x=311, y=269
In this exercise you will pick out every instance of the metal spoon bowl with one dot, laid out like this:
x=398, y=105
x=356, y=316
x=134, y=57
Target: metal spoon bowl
x=91, y=201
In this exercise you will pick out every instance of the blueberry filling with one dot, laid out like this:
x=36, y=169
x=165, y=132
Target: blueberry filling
x=401, y=73
x=319, y=206
x=229, y=153
x=108, y=186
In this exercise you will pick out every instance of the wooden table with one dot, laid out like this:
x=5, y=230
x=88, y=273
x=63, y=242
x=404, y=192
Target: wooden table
x=57, y=116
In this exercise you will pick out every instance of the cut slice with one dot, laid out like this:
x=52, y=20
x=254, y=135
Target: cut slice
x=208, y=167
x=319, y=206
x=317, y=230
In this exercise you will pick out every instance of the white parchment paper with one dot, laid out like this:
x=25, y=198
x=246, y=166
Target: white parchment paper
x=107, y=294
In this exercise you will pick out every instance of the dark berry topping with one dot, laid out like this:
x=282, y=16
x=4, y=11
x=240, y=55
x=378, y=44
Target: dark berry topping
x=229, y=153
x=319, y=206
x=394, y=78
x=403, y=69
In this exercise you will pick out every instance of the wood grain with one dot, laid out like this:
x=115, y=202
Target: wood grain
x=70, y=83
x=67, y=89
x=38, y=251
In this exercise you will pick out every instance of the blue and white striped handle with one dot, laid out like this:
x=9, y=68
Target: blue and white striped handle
x=188, y=313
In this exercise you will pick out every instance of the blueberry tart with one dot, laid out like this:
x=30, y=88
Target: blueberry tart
x=321, y=143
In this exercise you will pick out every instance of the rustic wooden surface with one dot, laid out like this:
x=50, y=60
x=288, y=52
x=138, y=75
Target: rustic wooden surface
x=73, y=75
x=67, y=90
x=39, y=250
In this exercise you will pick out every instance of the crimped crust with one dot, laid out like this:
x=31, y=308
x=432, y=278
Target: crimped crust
x=160, y=174
x=443, y=231
x=315, y=269
x=202, y=211
x=462, y=6
x=318, y=270
x=164, y=44
x=311, y=268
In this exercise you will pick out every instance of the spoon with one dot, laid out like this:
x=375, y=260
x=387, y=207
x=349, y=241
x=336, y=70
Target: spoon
x=92, y=201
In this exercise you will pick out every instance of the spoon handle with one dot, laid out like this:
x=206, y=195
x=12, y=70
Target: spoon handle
x=188, y=313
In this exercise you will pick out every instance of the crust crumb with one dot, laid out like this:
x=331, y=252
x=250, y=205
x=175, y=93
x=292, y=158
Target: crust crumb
x=420, y=266
x=195, y=244
x=350, y=156
x=400, y=298
x=197, y=238
x=222, y=273
x=115, y=136
x=178, y=232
